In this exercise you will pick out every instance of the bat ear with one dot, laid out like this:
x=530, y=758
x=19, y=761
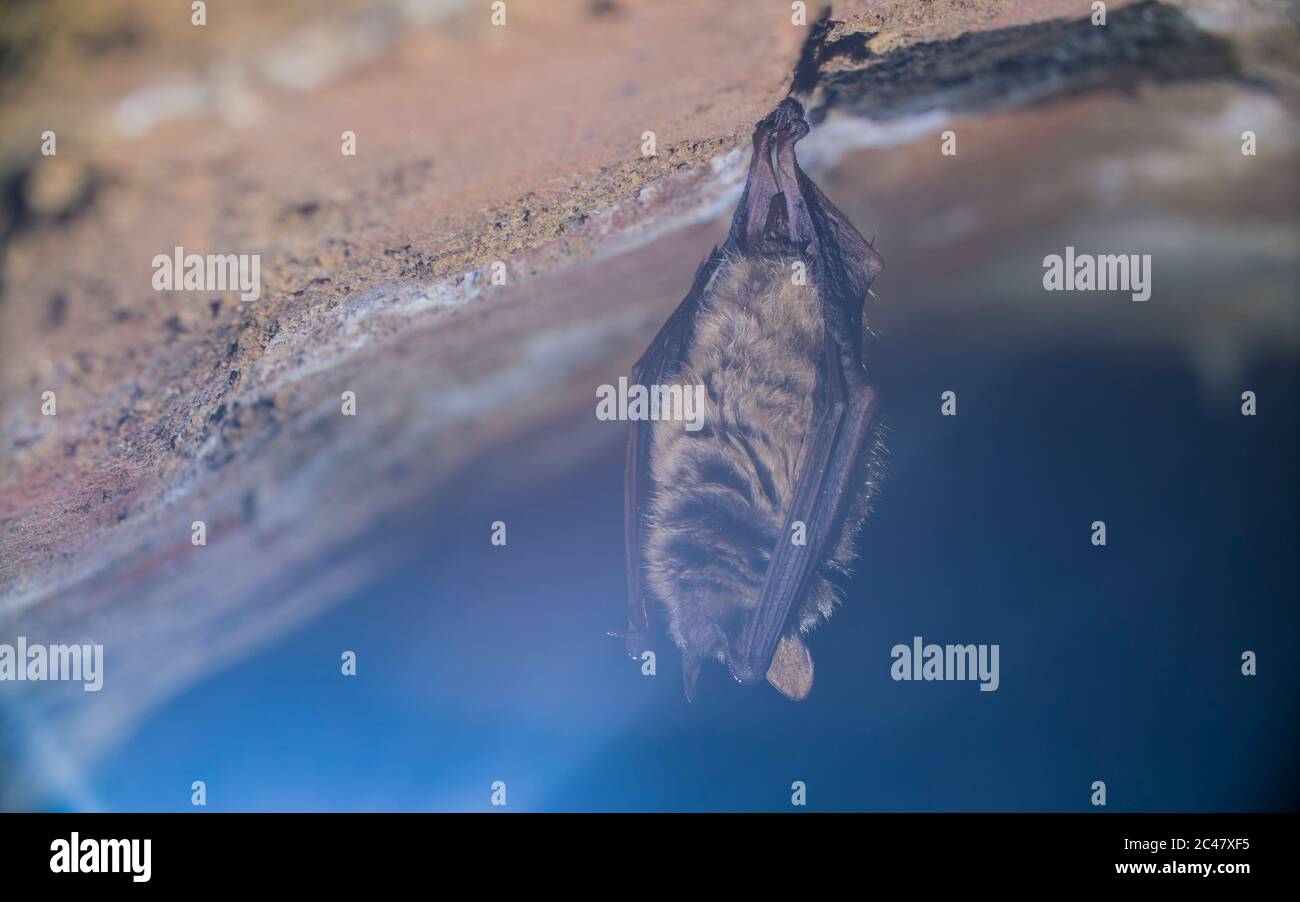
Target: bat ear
x=691, y=665
x=791, y=672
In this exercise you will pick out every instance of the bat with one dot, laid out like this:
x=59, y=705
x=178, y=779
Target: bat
x=736, y=527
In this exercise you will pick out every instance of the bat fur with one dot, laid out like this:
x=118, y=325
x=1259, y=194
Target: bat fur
x=790, y=445
x=723, y=493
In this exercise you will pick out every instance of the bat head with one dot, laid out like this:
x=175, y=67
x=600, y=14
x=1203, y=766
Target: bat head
x=700, y=638
x=790, y=671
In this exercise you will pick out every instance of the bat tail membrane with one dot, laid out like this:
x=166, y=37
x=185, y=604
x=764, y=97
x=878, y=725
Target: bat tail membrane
x=767, y=221
x=783, y=213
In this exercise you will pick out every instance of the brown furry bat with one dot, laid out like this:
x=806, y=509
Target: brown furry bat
x=735, y=527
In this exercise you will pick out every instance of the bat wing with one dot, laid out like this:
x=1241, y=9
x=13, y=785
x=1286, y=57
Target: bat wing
x=839, y=434
x=844, y=406
x=659, y=361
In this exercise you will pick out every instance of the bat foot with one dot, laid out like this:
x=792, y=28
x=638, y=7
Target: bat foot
x=787, y=118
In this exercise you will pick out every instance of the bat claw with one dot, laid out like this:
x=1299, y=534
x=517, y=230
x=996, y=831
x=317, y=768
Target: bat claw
x=636, y=641
x=787, y=117
x=744, y=674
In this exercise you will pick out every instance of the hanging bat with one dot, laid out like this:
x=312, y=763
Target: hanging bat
x=735, y=527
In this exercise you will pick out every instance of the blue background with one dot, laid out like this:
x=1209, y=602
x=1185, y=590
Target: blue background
x=1120, y=663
